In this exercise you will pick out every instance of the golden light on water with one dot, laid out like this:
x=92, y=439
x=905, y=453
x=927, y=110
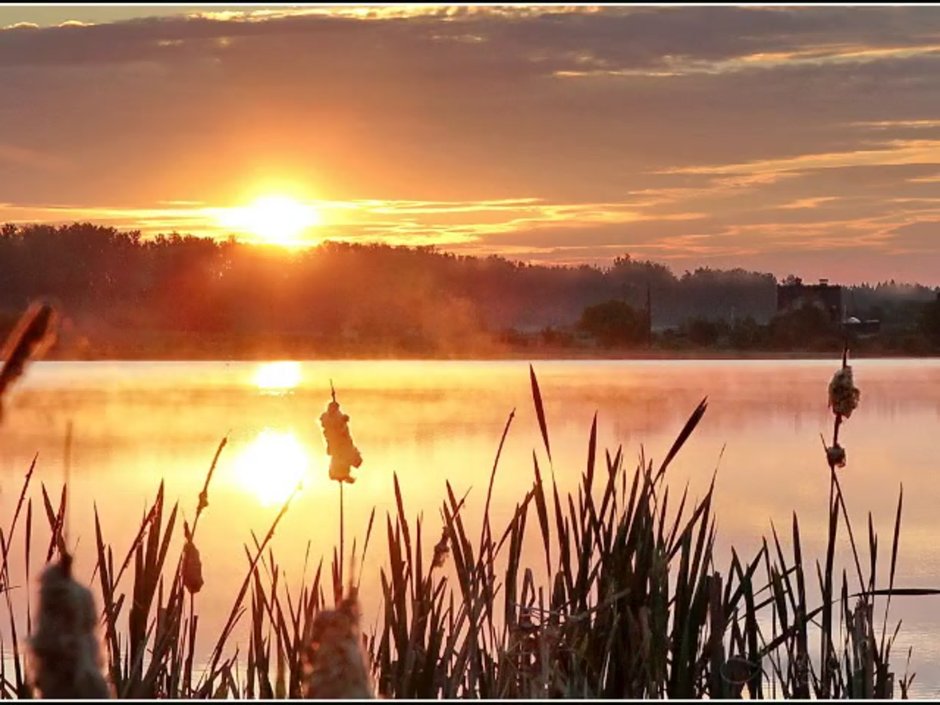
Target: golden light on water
x=275, y=219
x=271, y=466
x=278, y=375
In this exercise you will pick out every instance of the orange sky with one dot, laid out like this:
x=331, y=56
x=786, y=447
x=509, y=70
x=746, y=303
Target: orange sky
x=803, y=140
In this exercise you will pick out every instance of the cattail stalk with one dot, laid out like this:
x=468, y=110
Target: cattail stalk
x=843, y=399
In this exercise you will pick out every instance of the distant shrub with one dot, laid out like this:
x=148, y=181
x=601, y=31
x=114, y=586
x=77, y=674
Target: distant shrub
x=613, y=323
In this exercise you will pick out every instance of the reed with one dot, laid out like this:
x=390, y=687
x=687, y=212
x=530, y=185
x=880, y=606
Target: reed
x=623, y=598
x=33, y=334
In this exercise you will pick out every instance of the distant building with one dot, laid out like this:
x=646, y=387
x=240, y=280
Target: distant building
x=794, y=294
x=863, y=329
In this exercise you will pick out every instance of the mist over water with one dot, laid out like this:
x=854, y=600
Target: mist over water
x=437, y=422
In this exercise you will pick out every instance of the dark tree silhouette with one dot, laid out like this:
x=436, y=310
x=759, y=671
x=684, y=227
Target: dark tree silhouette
x=930, y=321
x=176, y=295
x=613, y=323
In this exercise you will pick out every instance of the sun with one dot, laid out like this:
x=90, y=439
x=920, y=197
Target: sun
x=275, y=219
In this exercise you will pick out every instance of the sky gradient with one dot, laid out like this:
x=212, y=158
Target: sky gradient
x=788, y=140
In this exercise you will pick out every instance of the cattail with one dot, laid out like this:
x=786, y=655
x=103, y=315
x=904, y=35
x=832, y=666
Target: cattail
x=738, y=671
x=836, y=456
x=843, y=394
x=336, y=665
x=192, y=564
x=31, y=337
x=65, y=644
x=339, y=444
x=441, y=551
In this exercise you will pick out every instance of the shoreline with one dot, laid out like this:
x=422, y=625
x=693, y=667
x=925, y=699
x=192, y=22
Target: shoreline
x=512, y=356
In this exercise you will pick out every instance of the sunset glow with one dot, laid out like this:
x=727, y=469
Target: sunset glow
x=271, y=466
x=815, y=149
x=275, y=219
x=278, y=375
x=289, y=271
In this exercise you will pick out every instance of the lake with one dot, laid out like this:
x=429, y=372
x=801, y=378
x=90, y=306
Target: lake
x=135, y=423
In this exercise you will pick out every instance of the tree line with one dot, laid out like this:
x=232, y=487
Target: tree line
x=177, y=295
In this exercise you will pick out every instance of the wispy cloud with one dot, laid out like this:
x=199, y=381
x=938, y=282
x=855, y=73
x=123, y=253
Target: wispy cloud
x=810, y=202
x=679, y=66
x=932, y=179
x=401, y=222
x=894, y=124
x=889, y=153
x=401, y=11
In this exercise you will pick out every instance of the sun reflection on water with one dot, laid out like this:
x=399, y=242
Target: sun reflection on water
x=272, y=465
x=276, y=376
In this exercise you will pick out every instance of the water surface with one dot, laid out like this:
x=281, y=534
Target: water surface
x=432, y=422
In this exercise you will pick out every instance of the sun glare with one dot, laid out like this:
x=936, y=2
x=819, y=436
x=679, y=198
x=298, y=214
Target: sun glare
x=271, y=466
x=278, y=375
x=279, y=220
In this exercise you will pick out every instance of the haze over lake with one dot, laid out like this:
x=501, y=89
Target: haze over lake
x=433, y=422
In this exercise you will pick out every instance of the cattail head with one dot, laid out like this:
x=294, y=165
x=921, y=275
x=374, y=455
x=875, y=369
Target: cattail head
x=843, y=394
x=339, y=444
x=738, y=671
x=340, y=471
x=441, y=551
x=836, y=456
x=192, y=564
x=31, y=337
x=336, y=665
x=65, y=644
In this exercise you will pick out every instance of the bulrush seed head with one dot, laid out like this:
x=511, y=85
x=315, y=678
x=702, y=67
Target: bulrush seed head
x=64, y=643
x=336, y=665
x=339, y=444
x=441, y=551
x=192, y=568
x=836, y=456
x=192, y=564
x=843, y=394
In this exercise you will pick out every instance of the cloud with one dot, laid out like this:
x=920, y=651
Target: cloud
x=889, y=153
x=894, y=124
x=400, y=222
x=810, y=202
x=672, y=66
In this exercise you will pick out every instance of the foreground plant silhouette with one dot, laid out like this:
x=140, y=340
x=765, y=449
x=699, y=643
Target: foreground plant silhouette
x=623, y=599
x=335, y=664
x=33, y=334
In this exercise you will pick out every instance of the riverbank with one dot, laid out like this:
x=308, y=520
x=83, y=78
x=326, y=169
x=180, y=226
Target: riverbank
x=548, y=353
